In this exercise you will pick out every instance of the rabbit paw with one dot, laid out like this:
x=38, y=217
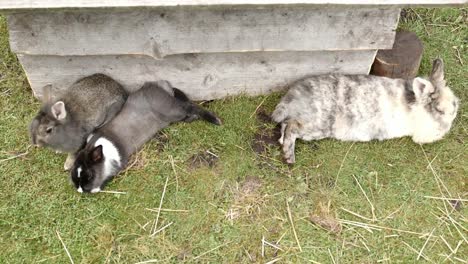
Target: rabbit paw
x=69, y=162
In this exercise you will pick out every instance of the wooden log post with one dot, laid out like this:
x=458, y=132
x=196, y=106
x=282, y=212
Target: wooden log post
x=403, y=60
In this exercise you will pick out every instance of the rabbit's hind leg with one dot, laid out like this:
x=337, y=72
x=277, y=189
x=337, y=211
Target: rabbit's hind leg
x=283, y=127
x=291, y=132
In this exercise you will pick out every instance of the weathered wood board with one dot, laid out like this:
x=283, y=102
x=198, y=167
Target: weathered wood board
x=165, y=31
x=201, y=76
x=209, y=52
x=29, y=4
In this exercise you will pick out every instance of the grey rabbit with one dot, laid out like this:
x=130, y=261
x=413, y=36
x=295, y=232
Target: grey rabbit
x=148, y=110
x=64, y=122
x=365, y=107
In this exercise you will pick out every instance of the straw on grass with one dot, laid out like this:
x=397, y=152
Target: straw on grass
x=64, y=247
x=292, y=225
x=211, y=250
x=161, y=229
x=424, y=245
x=114, y=192
x=256, y=109
x=342, y=163
x=18, y=155
x=153, y=230
x=273, y=261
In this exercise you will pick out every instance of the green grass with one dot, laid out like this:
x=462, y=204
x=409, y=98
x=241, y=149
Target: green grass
x=242, y=198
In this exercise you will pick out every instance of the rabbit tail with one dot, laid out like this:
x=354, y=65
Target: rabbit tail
x=280, y=113
x=194, y=111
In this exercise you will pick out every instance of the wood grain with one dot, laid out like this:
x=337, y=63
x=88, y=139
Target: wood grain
x=30, y=4
x=202, y=76
x=166, y=31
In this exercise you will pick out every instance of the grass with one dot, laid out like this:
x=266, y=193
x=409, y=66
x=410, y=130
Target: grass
x=347, y=203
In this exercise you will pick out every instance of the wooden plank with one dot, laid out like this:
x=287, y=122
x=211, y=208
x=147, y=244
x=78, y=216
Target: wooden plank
x=165, y=31
x=201, y=76
x=31, y=4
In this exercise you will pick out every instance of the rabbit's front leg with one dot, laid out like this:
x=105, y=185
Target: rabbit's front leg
x=69, y=161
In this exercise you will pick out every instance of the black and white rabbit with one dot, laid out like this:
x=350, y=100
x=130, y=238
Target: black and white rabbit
x=146, y=111
x=64, y=122
x=366, y=107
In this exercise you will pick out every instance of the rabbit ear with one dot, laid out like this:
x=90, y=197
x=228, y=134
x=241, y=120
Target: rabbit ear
x=96, y=154
x=165, y=85
x=422, y=87
x=58, y=110
x=46, y=93
x=437, y=74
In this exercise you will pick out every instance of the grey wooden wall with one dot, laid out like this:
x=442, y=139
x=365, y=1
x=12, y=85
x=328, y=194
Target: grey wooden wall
x=209, y=52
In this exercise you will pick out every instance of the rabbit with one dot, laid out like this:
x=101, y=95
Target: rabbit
x=365, y=107
x=148, y=110
x=64, y=123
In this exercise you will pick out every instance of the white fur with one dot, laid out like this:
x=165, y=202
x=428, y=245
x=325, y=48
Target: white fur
x=96, y=190
x=110, y=153
x=80, y=190
x=89, y=138
x=425, y=129
x=79, y=172
x=396, y=116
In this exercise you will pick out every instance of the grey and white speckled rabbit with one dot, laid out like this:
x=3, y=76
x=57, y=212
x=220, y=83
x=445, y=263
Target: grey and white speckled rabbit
x=63, y=123
x=366, y=107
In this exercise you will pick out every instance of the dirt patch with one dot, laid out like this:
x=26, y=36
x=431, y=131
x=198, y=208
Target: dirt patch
x=204, y=158
x=323, y=218
x=137, y=161
x=456, y=204
x=265, y=136
x=161, y=140
x=250, y=185
x=248, y=199
x=184, y=254
x=263, y=116
x=408, y=15
x=327, y=223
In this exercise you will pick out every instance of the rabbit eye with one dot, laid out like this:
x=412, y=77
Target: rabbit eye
x=48, y=130
x=439, y=111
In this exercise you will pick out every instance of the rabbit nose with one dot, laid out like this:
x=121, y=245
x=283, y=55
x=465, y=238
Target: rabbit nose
x=38, y=143
x=34, y=141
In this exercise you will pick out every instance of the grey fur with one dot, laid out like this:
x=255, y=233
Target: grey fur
x=89, y=103
x=366, y=107
x=148, y=110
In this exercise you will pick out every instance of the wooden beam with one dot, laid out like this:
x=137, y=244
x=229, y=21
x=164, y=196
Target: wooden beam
x=34, y=4
x=202, y=76
x=161, y=32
